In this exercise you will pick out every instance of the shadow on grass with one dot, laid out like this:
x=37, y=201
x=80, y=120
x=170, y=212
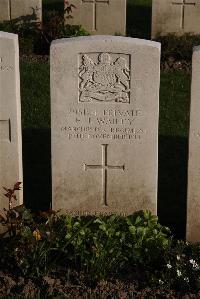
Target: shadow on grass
x=37, y=168
x=172, y=183
x=138, y=20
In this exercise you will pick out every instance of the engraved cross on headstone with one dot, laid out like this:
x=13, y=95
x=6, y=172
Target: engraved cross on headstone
x=95, y=2
x=9, y=2
x=104, y=167
x=184, y=3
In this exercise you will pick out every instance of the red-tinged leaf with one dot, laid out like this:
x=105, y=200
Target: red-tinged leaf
x=7, y=195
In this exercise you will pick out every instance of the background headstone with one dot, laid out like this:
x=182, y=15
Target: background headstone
x=105, y=98
x=10, y=117
x=25, y=9
x=99, y=16
x=193, y=204
x=4, y=10
x=175, y=16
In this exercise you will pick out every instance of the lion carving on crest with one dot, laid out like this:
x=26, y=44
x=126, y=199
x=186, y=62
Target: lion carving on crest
x=106, y=80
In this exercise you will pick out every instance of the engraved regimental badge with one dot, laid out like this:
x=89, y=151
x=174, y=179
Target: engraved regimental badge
x=104, y=77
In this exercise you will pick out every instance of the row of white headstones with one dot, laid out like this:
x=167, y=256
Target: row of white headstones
x=104, y=111
x=109, y=16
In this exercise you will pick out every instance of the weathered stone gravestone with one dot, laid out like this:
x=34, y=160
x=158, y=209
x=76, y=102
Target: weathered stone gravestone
x=193, y=204
x=99, y=16
x=105, y=94
x=175, y=16
x=29, y=10
x=10, y=116
x=4, y=10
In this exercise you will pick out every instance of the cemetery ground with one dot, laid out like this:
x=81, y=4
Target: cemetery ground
x=103, y=257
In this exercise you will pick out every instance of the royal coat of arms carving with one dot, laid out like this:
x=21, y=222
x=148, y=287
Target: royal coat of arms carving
x=104, y=78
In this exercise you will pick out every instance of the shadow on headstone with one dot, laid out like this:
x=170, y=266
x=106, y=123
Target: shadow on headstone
x=37, y=168
x=53, y=5
x=31, y=20
x=172, y=183
x=138, y=22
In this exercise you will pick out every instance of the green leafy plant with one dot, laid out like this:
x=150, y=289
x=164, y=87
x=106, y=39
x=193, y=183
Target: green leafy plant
x=35, y=38
x=55, y=28
x=135, y=247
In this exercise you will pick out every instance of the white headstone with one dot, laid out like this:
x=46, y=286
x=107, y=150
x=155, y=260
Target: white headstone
x=193, y=204
x=105, y=95
x=4, y=10
x=25, y=9
x=99, y=16
x=175, y=17
x=10, y=117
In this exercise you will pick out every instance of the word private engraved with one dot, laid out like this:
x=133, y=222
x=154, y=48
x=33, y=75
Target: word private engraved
x=104, y=77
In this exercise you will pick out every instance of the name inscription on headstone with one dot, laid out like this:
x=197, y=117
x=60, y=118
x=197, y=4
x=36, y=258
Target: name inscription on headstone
x=106, y=124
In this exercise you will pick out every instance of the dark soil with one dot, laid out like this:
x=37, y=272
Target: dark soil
x=60, y=287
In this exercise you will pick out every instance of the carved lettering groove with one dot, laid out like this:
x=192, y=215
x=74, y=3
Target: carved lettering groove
x=103, y=124
x=104, y=77
x=4, y=67
x=95, y=213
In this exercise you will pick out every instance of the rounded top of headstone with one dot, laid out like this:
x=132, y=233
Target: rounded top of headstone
x=8, y=35
x=107, y=38
x=196, y=48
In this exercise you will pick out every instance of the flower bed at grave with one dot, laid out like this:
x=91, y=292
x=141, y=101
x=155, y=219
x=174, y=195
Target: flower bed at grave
x=44, y=253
